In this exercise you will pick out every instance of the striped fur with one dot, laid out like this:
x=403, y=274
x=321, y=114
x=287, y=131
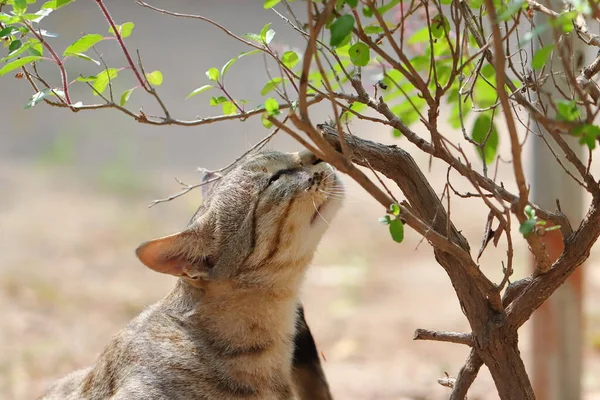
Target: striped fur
x=232, y=329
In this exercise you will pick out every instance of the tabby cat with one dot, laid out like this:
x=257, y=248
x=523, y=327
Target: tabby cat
x=233, y=327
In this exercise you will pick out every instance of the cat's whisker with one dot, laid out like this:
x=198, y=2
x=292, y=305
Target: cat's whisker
x=317, y=210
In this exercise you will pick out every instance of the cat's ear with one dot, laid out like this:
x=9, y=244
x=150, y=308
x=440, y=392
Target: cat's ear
x=169, y=255
x=209, y=180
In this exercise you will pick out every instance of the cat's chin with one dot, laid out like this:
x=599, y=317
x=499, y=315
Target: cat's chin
x=326, y=211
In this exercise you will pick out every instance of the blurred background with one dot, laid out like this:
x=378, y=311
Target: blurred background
x=73, y=207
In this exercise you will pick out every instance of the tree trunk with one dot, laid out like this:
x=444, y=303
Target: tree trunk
x=500, y=353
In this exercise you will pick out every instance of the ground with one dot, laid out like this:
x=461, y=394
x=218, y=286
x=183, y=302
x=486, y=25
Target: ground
x=69, y=280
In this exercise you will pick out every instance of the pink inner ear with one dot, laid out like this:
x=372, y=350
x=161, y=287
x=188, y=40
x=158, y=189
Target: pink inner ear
x=157, y=255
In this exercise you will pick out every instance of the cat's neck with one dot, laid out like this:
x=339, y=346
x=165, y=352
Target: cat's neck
x=238, y=314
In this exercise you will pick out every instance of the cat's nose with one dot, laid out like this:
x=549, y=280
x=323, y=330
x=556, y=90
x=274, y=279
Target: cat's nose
x=316, y=178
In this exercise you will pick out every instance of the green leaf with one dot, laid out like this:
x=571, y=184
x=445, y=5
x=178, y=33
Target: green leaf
x=395, y=209
x=270, y=4
x=14, y=46
x=359, y=54
x=367, y=11
x=213, y=74
x=271, y=107
x=272, y=84
x=265, y=121
x=529, y=211
x=397, y=230
x=56, y=4
x=352, y=3
x=19, y=6
x=340, y=29
x=155, y=78
x=228, y=108
x=125, y=96
x=217, y=100
x=84, y=57
x=103, y=79
x=527, y=227
x=439, y=26
x=387, y=7
x=589, y=135
x=8, y=31
x=541, y=56
x=125, y=29
x=480, y=131
x=420, y=36
x=373, y=29
x=18, y=64
x=567, y=110
x=83, y=44
x=199, y=90
x=290, y=59
x=229, y=63
x=356, y=107
x=91, y=78
x=36, y=98
x=266, y=34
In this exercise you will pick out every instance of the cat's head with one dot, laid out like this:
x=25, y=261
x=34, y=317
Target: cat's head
x=259, y=224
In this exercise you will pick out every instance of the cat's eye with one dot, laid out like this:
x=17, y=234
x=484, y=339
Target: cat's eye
x=279, y=173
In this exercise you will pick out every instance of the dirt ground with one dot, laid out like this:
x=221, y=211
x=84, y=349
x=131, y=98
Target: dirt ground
x=69, y=281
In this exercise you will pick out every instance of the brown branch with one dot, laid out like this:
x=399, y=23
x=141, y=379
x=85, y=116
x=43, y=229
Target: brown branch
x=452, y=337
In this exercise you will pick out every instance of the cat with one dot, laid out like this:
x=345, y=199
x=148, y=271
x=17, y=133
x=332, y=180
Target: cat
x=232, y=328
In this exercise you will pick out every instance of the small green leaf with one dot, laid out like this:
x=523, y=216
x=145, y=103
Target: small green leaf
x=217, y=100
x=125, y=96
x=271, y=107
x=155, y=78
x=263, y=32
x=199, y=90
x=14, y=45
x=18, y=64
x=8, y=31
x=83, y=44
x=272, y=84
x=84, y=57
x=481, y=128
x=527, y=227
x=270, y=4
x=213, y=74
x=269, y=36
x=19, y=6
x=352, y=3
x=125, y=29
x=265, y=121
x=56, y=4
x=589, y=135
x=340, y=29
x=91, y=78
x=397, y=230
x=529, y=211
x=359, y=54
x=290, y=59
x=39, y=96
x=541, y=56
x=229, y=63
x=373, y=29
x=395, y=209
x=567, y=110
x=439, y=26
x=228, y=108
x=367, y=11
x=103, y=79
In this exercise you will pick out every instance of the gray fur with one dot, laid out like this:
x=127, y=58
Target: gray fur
x=226, y=331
